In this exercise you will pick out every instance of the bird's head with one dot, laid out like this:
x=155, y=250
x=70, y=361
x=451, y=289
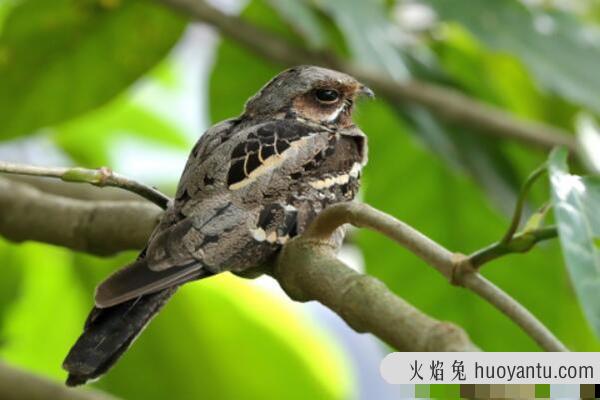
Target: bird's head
x=317, y=94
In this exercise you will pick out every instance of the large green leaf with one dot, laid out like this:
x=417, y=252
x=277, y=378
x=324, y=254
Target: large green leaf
x=61, y=58
x=554, y=46
x=39, y=325
x=497, y=78
x=576, y=202
x=467, y=151
x=5, y=6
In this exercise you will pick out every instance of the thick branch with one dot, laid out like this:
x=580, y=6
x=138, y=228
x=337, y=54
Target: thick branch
x=309, y=270
x=101, y=227
x=20, y=385
x=446, y=103
x=454, y=266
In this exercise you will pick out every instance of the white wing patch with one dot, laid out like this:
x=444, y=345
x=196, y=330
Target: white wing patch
x=268, y=164
x=260, y=235
x=336, y=180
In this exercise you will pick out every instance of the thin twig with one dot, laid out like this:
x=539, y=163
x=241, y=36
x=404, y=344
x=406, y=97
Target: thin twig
x=444, y=102
x=520, y=243
x=514, y=310
x=516, y=219
x=364, y=216
x=98, y=177
x=455, y=267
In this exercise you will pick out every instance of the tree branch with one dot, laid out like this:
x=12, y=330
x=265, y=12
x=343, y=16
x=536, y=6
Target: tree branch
x=73, y=189
x=98, y=177
x=106, y=227
x=309, y=270
x=101, y=227
x=513, y=310
x=446, y=103
x=20, y=385
x=457, y=268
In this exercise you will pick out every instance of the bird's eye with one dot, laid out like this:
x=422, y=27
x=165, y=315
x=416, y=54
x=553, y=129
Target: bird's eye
x=327, y=95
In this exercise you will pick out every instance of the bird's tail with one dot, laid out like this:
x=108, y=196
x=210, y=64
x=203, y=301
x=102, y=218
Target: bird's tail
x=108, y=332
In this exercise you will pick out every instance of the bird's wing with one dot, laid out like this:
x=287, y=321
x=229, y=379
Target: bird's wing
x=223, y=197
x=222, y=188
x=137, y=279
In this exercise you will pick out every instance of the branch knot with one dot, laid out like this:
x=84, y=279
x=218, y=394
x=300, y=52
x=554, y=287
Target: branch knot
x=461, y=266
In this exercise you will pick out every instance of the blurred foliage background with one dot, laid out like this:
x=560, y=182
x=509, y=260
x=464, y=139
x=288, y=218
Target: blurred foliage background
x=132, y=84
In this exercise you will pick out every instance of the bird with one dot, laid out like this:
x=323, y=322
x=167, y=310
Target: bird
x=250, y=184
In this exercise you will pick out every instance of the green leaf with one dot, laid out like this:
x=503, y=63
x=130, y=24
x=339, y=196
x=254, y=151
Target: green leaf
x=62, y=58
x=466, y=150
x=40, y=324
x=5, y=6
x=536, y=220
x=552, y=45
x=497, y=78
x=576, y=204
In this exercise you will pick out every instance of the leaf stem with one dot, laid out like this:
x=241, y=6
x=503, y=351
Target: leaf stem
x=520, y=243
x=516, y=219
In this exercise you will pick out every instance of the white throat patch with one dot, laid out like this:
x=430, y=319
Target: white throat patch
x=334, y=115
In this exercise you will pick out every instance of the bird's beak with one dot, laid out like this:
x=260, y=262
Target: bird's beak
x=365, y=91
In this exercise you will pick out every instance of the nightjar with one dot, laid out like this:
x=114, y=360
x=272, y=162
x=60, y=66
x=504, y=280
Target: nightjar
x=250, y=183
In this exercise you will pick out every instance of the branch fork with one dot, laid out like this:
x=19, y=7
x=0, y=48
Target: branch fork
x=461, y=266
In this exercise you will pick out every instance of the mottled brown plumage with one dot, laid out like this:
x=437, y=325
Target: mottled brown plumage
x=250, y=184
